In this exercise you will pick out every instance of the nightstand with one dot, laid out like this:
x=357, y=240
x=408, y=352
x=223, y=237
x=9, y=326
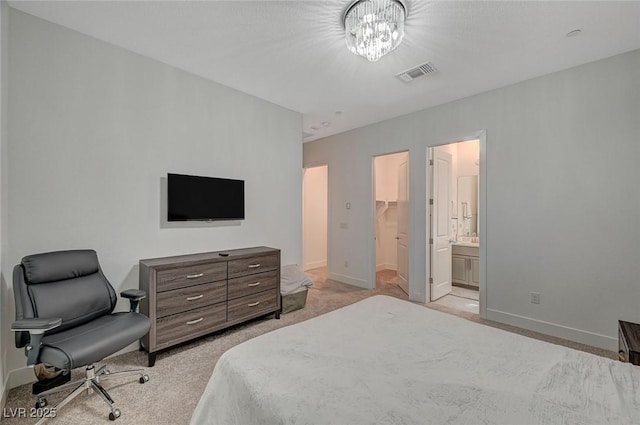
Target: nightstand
x=629, y=342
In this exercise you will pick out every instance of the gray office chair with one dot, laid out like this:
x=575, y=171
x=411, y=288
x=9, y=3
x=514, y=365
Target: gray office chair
x=64, y=318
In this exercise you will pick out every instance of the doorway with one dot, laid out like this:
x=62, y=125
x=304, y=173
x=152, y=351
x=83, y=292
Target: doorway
x=454, y=222
x=391, y=198
x=315, y=184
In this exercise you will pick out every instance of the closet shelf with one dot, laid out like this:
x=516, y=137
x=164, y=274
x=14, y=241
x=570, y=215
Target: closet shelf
x=388, y=203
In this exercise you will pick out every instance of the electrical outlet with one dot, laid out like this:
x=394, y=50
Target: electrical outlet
x=535, y=298
x=346, y=263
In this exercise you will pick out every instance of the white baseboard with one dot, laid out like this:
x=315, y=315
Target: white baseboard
x=17, y=377
x=565, y=332
x=360, y=283
x=315, y=264
x=3, y=396
x=386, y=266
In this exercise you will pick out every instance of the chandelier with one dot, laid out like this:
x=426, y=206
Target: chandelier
x=373, y=28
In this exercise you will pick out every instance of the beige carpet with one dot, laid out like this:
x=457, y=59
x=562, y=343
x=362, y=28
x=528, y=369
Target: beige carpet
x=181, y=374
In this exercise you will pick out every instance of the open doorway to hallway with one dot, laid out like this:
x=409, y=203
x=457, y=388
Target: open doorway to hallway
x=454, y=217
x=391, y=197
x=314, y=217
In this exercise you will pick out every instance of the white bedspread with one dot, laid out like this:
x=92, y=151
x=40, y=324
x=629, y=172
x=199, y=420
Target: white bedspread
x=386, y=361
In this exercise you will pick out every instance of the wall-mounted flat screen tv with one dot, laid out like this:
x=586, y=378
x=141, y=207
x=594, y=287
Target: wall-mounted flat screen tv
x=195, y=198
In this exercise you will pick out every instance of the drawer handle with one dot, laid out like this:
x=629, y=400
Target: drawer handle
x=254, y=284
x=197, y=297
x=194, y=276
x=253, y=304
x=253, y=266
x=193, y=322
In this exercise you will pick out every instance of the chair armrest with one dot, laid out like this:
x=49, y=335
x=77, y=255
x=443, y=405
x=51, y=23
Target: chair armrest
x=133, y=294
x=36, y=328
x=36, y=325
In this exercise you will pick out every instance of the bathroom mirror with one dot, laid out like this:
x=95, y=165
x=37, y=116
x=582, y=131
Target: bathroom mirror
x=467, y=205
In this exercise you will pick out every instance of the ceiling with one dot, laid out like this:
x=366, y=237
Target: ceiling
x=292, y=53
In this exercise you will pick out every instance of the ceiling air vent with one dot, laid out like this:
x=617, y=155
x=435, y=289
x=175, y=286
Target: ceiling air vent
x=416, y=72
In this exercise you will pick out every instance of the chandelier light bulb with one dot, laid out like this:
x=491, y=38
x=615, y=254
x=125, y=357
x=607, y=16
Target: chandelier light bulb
x=374, y=28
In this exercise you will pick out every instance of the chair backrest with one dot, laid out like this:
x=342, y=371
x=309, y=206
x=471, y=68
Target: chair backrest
x=65, y=284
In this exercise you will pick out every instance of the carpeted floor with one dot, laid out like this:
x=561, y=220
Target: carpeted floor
x=181, y=374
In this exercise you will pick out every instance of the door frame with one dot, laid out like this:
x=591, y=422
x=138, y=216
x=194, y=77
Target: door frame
x=372, y=246
x=480, y=135
x=328, y=235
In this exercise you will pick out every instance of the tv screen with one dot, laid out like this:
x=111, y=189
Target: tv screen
x=204, y=198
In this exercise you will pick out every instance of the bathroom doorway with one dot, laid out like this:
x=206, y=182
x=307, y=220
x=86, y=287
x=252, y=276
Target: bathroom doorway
x=315, y=184
x=391, y=197
x=454, y=226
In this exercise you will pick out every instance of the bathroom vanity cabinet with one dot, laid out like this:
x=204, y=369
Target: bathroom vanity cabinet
x=465, y=265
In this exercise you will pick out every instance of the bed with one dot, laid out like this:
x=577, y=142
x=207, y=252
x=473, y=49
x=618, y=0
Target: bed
x=388, y=361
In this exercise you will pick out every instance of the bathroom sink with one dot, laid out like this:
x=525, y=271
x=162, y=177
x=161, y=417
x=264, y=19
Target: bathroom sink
x=472, y=244
x=466, y=242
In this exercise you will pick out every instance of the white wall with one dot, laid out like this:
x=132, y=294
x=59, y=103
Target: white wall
x=315, y=217
x=4, y=316
x=468, y=154
x=93, y=130
x=562, y=205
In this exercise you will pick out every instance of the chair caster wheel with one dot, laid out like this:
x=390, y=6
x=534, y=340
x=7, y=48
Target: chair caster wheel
x=114, y=415
x=41, y=403
x=143, y=379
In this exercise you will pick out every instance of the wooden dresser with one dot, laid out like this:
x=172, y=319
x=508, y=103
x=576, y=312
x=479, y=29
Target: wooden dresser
x=189, y=296
x=629, y=342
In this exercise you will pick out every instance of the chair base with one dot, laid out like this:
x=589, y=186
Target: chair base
x=49, y=384
x=90, y=383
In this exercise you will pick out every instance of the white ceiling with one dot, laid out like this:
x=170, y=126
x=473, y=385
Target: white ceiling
x=292, y=53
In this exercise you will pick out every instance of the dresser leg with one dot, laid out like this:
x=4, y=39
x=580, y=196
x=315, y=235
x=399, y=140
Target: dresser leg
x=278, y=314
x=152, y=359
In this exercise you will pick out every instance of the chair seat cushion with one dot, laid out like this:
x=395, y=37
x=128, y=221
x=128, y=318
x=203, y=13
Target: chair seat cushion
x=93, y=341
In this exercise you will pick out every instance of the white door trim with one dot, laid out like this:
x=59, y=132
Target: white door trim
x=372, y=216
x=480, y=135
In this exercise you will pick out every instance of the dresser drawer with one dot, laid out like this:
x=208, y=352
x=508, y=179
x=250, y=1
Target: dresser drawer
x=623, y=350
x=251, y=284
x=193, y=275
x=189, y=298
x=171, y=329
x=251, y=265
x=629, y=342
x=253, y=305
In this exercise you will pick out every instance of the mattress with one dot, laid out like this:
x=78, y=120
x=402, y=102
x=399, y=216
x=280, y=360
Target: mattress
x=388, y=361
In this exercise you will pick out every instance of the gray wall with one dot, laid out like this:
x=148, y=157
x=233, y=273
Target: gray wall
x=94, y=128
x=4, y=316
x=562, y=198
